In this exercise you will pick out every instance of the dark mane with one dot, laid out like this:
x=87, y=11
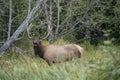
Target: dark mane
x=38, y=48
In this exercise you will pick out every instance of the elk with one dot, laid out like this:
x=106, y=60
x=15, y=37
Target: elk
x=57, y=53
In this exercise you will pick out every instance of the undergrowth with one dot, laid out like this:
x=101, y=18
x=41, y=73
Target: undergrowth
x=98, y=63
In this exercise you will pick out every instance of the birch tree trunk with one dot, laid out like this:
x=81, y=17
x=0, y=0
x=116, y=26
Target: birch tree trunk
x=10, y=19
x=21, y=28
x=58, y=17
x=48, y=19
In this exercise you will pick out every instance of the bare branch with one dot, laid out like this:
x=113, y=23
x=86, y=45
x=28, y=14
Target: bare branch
x=28, y=32
x=10, y=19
x=21, y=28
x=29, y=6
x=72, y=28
x=48, y=19
x=69, y=13
x=4, y=30
x=29, y=27
x=48, y=32
x=16, y=49
x=58, y=16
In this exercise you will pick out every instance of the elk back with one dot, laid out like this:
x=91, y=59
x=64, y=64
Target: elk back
x=56, y=54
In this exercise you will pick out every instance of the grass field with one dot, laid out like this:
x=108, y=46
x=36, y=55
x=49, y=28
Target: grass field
x=98, y=63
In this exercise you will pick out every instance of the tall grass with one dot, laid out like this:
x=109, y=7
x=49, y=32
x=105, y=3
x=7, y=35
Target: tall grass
x=96, y=64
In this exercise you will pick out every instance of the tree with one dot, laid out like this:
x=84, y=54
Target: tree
x=21, y=28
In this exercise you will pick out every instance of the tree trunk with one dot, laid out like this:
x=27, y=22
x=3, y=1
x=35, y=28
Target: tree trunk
x=10, y=19
x=21, y=28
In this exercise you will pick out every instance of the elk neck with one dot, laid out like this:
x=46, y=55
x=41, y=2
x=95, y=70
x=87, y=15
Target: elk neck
x=41, y=49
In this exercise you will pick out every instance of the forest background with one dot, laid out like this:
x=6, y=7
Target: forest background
x=93, y=24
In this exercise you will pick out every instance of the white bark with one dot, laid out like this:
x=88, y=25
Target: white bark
x=21, y=28
x=48, y=19
x=58, y=17
x=10, y=19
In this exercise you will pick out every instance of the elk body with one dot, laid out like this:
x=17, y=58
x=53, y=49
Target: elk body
x=56, y=54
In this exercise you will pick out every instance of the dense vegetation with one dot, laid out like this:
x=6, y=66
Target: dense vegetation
x=93, y=24
x=74, y=20
x=98, y=63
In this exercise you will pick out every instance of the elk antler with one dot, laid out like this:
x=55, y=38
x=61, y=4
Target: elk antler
x=28, y=32
x=32, y=38
x=48, y=32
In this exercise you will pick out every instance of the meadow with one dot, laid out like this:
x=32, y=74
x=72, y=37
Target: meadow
x=100, y=62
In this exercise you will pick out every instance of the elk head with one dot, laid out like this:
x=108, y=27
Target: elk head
x=37, y=43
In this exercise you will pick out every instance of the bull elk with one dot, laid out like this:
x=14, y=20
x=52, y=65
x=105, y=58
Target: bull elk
x=56, y=53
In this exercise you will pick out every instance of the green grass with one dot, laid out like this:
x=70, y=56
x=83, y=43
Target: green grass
x=97, y=63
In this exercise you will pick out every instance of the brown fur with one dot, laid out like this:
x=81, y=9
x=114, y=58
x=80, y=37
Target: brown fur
x=55, y=53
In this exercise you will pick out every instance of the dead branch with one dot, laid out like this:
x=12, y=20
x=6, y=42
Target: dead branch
x=21, y=28
x=10, y=18
x=48, y=19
